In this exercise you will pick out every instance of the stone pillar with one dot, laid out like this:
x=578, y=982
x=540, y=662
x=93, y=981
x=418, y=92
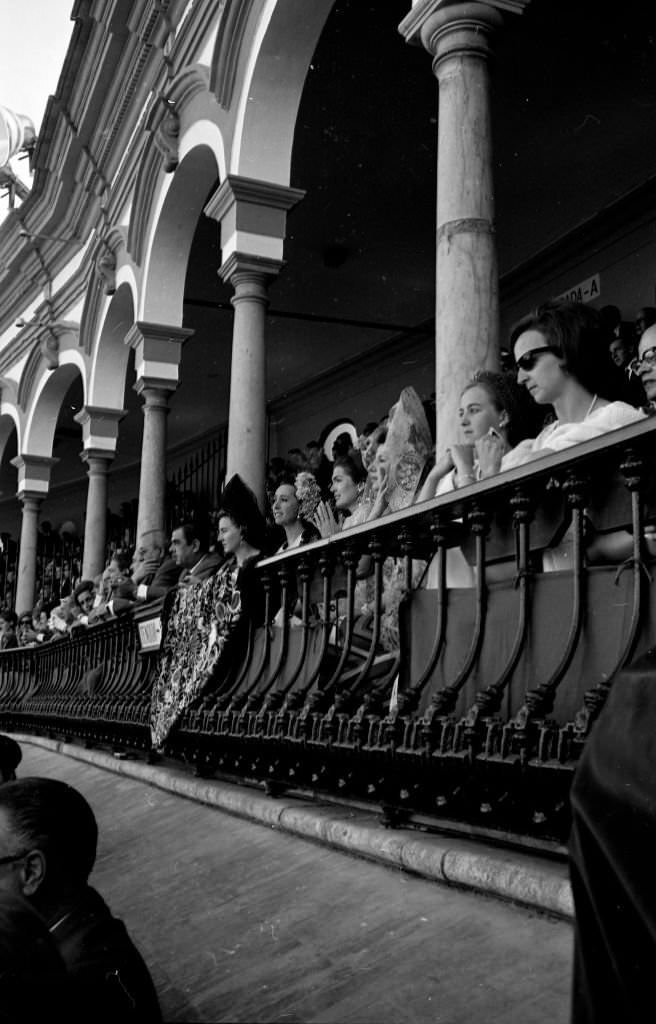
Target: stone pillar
x=99, y=435
x=33, y=486
x=95, y=521
x=247, y=440
x=457, y=34
x=253, y=217
x=158, y=352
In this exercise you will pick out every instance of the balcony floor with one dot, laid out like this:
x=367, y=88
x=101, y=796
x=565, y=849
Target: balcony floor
x=240, y=922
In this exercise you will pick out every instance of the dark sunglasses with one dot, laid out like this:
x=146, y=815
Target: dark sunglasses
x=647, y=358
x=529, y=359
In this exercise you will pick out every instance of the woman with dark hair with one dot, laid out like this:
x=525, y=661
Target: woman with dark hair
x=562, y=360
x=208, y=625
x=348, y=482
x=294, y=504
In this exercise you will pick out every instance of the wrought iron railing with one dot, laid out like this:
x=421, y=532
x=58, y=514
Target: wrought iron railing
x=481, y=714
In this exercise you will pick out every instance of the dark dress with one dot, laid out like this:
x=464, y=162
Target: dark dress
x=613, y=853
x=205, y=632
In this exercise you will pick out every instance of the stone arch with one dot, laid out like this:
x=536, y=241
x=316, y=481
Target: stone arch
x=41, y=419
x=8, y=424
x=181, y=203
x=272, y=86
x=111, y=356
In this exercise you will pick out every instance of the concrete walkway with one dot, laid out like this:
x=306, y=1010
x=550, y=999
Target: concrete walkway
x=242, y=921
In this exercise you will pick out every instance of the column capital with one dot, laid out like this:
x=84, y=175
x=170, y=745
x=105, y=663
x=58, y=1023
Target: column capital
x=241, y=268
x=33, y=474
x=445, y=27
x=153, y=397
x=31, y=500
x=97, y=459
x=99, y=428
x=253, y=216
x=158, y=352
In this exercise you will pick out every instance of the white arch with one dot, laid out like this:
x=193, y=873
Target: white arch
x=41, y=419
x=272, y=87
x=205, y=132
x=110, y=354
x=179, y=204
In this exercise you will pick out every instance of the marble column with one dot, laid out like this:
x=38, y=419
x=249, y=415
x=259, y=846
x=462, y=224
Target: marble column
x=158, y=353
x=252, y=215
x=33, y=486
x=99, y=435
x=95, y=522
x=247, y=440
x=466, y=273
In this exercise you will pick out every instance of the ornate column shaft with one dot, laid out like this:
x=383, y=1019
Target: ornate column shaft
x=253, y=216
x=158, y=352
x=99, y=434
x=33, y=486
x=467, y=294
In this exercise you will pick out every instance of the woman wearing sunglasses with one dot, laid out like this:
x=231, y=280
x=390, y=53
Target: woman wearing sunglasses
x=562, y=360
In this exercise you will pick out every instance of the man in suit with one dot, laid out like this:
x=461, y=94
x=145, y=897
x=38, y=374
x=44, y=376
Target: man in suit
x=48, y=839
x=153, y=574
x=190, y=549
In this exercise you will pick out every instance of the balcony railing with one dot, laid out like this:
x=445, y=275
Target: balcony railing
x=478, y=718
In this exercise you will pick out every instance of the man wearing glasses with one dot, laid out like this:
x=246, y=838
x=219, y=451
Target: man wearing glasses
x=48, y=838
x=645, y=364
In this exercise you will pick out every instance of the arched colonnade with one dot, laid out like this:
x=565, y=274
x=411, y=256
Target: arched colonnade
x=226, y=129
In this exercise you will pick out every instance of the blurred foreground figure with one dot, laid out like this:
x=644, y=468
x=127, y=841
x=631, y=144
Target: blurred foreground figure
x=613, y=852
x=11, y=756
x=48, y=838
x=34, y=983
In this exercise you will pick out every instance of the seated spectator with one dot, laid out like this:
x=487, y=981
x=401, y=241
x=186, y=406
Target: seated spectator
x=645, y=317
x=561, y=361
x=402, y=458
x=348, y=482
x=190, y=550
x=208, y=623
x=153, y=573
x=48, y=839
x=342, y=445
x=296, y=461
x=489, y=402
x=644, y=365
x=26, y=633
x=40, y=616
x=8, y=638
x=88, y=601
x=294, y=504
x=61, y=620
x=319, y=466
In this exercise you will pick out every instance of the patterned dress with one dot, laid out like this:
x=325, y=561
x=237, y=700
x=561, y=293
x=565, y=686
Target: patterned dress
x=204, y=631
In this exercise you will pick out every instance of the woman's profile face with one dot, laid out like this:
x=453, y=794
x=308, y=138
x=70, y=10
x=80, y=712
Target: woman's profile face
x=285, y=505
x=477, y=413
x=541, y=373
x=229, y=535
x=344, y=488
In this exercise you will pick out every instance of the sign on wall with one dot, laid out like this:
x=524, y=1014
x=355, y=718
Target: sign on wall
x=584, y=291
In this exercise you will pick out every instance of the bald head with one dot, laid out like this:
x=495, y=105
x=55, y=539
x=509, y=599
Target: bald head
x=647, y=368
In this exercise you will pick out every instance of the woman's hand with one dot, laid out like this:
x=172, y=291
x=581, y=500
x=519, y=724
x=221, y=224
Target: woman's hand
x=490, y=450
x=463, y=461
x=324, y=520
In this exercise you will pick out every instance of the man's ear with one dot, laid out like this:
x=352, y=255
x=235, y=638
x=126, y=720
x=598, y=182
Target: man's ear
x=32, y=872
x=504, y=419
